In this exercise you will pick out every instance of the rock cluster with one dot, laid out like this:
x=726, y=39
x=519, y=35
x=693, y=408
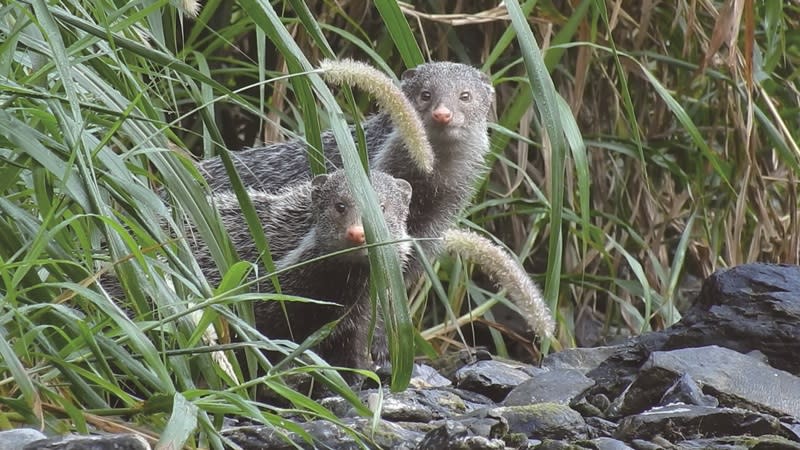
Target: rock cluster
x=726, y=376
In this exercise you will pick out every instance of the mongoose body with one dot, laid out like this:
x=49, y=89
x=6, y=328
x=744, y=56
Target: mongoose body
x=453, y=101
x=305, y=221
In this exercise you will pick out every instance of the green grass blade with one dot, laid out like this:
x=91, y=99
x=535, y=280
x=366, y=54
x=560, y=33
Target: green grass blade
x=400, y=31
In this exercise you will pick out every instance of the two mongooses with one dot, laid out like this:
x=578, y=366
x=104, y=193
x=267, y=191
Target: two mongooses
x=453, y=101
x=305, y=221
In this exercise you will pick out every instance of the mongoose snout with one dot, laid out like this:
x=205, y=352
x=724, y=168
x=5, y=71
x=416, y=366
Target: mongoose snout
x=355, y=234
x=442, y=115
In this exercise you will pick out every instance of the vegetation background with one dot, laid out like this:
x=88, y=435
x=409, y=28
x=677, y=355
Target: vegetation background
x=673, y=153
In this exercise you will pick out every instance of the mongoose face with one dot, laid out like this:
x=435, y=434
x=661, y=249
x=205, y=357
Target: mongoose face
x=450, y=98
x=338, y=218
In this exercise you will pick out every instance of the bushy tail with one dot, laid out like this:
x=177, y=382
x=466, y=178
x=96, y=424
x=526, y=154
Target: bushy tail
x=506, y=273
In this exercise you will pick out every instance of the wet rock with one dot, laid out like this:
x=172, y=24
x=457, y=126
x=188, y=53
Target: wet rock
x=486, y=423
x=492, y=378
x=455, y=436
x=685, y=390
x=599, y=427
x=604, y=443
x=745, y=308
x=680, y=422
x=74, y=442
x=423, y=405
x=544, y=420
x=554, y=386
x=733, y=378
x=619, y=370
x=473, y=400
x=741, y=443
x=19, y=438
x=387, y=435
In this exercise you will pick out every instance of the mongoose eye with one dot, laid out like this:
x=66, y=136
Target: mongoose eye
x=465, y=96
x=340, y=207
x=425, y=96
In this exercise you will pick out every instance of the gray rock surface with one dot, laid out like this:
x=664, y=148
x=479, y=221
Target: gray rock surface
x=581, y=359
x=387, y=435
x=455, y=436
x=554, y=386
x=105, y=442
x=19, y=438
x=682, y=422
x=734, y=378
x=492, y=378
x=745, y=308
x=544, y=420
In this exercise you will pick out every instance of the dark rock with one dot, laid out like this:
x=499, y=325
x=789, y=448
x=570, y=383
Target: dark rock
x=766, y=442
x=619, y=370
x=423, y=405
x=387, y=435
x=733, y=378
x=604, y=443
x=455, y=436
x=749, y=307
x=110, y=442
x=580, y=359
x=449, y=363
x=641, y=444
x=679, y=422
x=549, y=444
x=426, y=376
x=472, y=400
x=599, y=427
x=486, y=423
x=686, y=391
x=19, y=438
x=586, y=409
x=544, y=420
x=491, y=378
x=441, y=437
x=554, y=386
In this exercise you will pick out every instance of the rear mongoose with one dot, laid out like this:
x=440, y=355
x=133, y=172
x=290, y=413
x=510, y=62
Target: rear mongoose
x=305, y=221
x=453, y=101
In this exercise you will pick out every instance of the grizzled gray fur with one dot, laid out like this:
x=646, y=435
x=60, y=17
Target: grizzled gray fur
x=453, y=101
x=312, y=219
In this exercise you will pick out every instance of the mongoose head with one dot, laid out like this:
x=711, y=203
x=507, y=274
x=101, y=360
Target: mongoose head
x=338, y=218
x=452, y=99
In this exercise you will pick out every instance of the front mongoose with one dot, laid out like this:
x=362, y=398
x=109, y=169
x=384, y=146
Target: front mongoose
x=305, y=221
x=453, y=101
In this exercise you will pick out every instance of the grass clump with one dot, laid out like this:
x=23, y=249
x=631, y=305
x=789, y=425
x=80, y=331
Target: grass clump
x=670, y=150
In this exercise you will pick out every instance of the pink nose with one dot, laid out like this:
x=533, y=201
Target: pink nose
x=442, y=115
x=355, y=234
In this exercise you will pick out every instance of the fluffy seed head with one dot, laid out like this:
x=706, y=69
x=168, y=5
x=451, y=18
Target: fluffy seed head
x=506, y=273
x=390, y=99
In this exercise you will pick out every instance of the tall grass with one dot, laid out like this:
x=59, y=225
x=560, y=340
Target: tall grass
x=667, y=147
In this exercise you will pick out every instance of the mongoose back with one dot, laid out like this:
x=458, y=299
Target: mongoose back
x=453, y=101
x=305, y=221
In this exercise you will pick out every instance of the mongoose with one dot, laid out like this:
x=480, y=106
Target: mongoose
x=304, y=221
x=453, y=100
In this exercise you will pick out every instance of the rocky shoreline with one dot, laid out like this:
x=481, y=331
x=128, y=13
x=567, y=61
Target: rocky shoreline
x=727, y=376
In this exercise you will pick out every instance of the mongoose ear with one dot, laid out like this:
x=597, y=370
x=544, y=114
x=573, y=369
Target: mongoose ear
x=319, y=180
x=317, y=183
x=408, y=74
x=405, y=190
